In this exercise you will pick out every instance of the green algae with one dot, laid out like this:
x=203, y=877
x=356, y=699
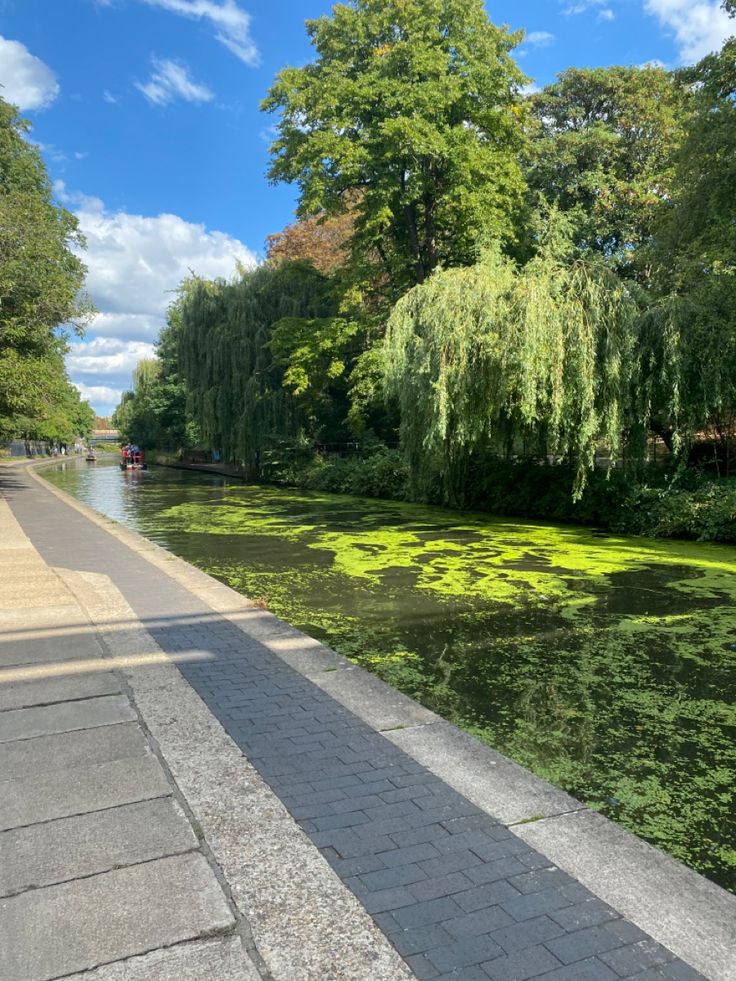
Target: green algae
x=605, y=664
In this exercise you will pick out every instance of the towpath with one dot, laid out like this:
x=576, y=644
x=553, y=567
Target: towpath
x=191, y=789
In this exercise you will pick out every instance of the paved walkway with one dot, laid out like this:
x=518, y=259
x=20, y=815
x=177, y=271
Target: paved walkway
x=365, y=864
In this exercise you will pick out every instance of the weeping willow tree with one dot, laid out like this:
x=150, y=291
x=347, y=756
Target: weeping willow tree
x=496, y=359
x=235, y=391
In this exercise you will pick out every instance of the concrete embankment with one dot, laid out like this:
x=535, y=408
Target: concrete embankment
x=277, y=812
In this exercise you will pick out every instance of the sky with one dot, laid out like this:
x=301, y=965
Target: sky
x=147, y=115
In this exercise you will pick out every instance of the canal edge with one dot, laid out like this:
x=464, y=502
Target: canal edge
x=678, y=907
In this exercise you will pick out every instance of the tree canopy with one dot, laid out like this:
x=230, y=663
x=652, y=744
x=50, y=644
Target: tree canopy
x=411, y=112
x=689, y=332
x=497, y=359
x=605, y=154
x=41, y=277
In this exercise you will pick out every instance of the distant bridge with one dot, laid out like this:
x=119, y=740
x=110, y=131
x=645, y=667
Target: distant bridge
x=104, y=436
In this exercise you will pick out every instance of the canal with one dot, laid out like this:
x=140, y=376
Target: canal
x=606, y=665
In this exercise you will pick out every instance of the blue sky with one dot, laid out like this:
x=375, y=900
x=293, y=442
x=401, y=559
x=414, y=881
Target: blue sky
x=147, y=115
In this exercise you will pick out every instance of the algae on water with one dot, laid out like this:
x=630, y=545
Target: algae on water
x=606, y=665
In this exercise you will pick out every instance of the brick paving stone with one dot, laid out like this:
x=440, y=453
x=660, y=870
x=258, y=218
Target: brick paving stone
x=590, y=913
x=464, y=953
x=540, y=879
x=466, y=973
x=581, y=944
x=431, y=911
x=590, y=969
x=416, y=941
x=445, y=885
x=422, y=968
x=533, y=904
x=476, y=924
x=522, y=965
x=519, y=936
x=489, y=895
x=626, y=961
x=450, y=887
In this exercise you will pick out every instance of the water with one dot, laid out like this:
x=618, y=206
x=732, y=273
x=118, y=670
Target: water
x=606, y=665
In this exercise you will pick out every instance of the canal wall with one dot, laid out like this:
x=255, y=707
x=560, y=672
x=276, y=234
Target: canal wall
x=675, y=906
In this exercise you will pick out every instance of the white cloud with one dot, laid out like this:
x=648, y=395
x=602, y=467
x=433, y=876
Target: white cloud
x=135, y=262
x=110, y=357
x=538, y=39
x=102, y=398
x=231, y=23
x=580, y=6
x=26, y=81
x=698, y=26
x=109, y=97
x=171, y=80
x=607, y=14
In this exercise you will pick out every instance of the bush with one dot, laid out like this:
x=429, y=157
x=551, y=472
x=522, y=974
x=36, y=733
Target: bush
x=707, y=513
x=646, y=502
x=382, y=474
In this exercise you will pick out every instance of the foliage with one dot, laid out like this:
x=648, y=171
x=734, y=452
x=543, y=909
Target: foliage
x=495, y=359
x=689, y=333
x=40, y=281
x=154, y=414
x=604, y=154
x=411, y=111
x=314, y=356
x=322, y=240
x=381, y=473
x=235, y=389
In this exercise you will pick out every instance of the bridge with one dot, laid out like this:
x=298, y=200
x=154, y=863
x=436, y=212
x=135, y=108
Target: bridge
x=104, y=436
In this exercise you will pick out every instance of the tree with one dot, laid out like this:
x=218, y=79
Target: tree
x=497, y=359
x=410, y=113
x=40, y=282
x=689, y=334
x=604, y=155
x=241, y=397
x=154, y=414
x=323, y=240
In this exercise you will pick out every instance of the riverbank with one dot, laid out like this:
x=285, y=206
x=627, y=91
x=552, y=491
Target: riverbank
x=238, y=647
x=651, y=502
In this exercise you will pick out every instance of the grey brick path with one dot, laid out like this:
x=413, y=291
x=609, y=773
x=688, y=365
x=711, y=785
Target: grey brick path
x=458, y=894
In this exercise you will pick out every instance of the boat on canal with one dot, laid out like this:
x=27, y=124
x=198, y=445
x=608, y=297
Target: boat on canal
x=132, y=458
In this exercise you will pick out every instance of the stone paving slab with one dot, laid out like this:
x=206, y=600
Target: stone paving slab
x=65, y=750
x=55, y=640
x=44, y=720
x=53, y=794
x=82, y=924
x=46, y=691
x=87, y=844
x=211, y=960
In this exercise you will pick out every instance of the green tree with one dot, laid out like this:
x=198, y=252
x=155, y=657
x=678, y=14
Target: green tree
x=496, y=359
x=689, y=334
x=41, y=278
x=154, y=414
x=604, y=154
x=410, y=113
x=245, y=393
